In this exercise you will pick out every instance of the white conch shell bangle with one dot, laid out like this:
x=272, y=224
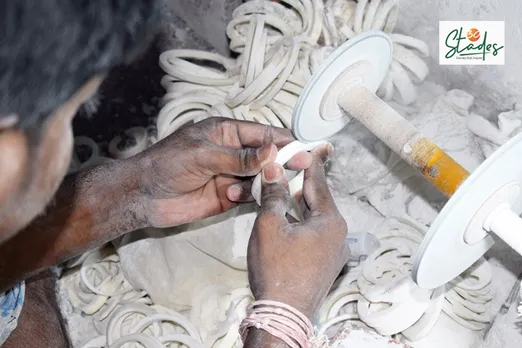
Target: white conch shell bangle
x=295, y=185
x=280, y=45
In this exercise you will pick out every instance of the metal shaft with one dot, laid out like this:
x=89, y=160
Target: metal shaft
x=403, y=138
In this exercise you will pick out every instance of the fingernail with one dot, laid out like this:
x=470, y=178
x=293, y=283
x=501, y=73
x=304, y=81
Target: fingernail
x=266, y=154
x=234, y=192
x=273, y=173
x=330, y=149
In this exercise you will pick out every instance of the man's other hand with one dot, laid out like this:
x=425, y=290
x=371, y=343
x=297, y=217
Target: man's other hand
x=206, y=168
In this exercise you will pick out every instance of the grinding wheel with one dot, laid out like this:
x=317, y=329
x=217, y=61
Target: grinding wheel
x=459, y=235
x=364, y=59
x=481, y=204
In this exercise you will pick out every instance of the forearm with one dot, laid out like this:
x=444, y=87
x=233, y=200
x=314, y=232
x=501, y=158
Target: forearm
x=262, y=339
x=89, y=209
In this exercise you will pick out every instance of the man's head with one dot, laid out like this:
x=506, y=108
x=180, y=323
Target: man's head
x=53, y=56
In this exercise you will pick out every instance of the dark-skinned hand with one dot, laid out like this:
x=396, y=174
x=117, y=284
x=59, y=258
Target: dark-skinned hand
x=206, y=168
x=296, y=263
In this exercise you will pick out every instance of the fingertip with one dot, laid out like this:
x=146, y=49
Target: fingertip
x=323, y=152
x=330, y=149
x=234, y=193
x=300, y=161
x=273, y=173
x=240, y=192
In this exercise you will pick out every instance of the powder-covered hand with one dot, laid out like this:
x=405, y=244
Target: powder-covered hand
x=205, y=169
x=296, y=263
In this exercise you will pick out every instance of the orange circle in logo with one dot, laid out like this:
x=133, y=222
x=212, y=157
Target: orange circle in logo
x=473, y=34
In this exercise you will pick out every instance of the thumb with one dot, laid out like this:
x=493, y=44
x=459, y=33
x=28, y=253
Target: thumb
x=275, y=196
x=315, y=188
x=239, y=162
x=275, y=200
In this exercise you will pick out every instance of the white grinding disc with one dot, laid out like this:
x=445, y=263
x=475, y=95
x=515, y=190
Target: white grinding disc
x=363, y=59
x=456, y=238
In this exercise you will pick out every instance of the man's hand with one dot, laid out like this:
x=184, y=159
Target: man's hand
x=180, y=179
x=297, y=263
x=204, y=169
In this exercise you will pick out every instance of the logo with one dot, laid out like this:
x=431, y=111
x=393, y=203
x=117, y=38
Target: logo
x=471, y=43
x=473, y=34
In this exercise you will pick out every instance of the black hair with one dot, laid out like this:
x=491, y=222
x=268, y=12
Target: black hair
x=50, y=48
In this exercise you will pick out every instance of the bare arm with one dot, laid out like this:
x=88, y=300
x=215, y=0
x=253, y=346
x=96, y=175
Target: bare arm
x=184, y=177
x=295, y=263
x=89, y=209
x=262, y=339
